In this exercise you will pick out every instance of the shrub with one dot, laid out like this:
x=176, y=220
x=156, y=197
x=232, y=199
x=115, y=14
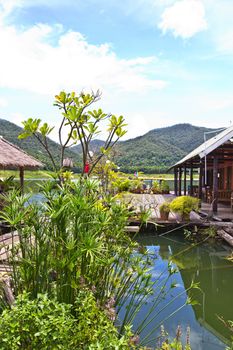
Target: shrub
x=164, y=207
x=47, y=324
x=164, y=187
x=184, y=205
x=155, y=187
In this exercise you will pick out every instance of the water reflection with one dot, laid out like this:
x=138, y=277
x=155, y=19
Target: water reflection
x=207, y=265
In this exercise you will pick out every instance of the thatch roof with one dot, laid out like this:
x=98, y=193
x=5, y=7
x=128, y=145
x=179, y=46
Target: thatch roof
x=12, y=157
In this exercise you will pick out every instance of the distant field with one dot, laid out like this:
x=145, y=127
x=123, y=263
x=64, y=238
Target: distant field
x=159, y=176
x=40, y=174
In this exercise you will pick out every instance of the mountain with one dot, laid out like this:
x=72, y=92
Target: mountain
x=153, y=152
x=160, y=148
x=95, y=146
x=10, y=132
x=157, y=150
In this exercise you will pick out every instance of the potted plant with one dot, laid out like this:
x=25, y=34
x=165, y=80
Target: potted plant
x=136, y=186
x=155, y=187
x=164, y=210
x=164, y=187
x=183, y=205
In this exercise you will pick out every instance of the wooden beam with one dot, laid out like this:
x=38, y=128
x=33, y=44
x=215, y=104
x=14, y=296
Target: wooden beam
x=180, y=181
x=191, y=179
x=224, y=235
x=21, y=177
x=200, y=180
x=185, y=179
x=175, y=181
x=215, y=185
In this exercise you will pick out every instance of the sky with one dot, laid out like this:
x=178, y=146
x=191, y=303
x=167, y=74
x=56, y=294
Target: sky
x=156, y=62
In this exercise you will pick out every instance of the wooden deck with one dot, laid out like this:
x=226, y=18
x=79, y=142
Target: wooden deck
x=152, y=202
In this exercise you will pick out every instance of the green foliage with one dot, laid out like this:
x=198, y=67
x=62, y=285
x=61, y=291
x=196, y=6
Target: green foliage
x=160, y=186
x=151, y=153
x=164, y=186
x=121, y=184
x=46, y=324
x=94, y=330
x=7, y=184
x=73, y=248
x=158, y=149
x=36, y=324
x=80, y=125
x=11, y=131
x=184, y=204
x=164, y=207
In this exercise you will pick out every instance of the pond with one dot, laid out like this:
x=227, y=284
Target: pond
x=206, y=264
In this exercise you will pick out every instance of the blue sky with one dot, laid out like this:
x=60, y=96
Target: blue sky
x=157, y=62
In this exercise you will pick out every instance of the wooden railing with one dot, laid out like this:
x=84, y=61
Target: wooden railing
x=224, y=195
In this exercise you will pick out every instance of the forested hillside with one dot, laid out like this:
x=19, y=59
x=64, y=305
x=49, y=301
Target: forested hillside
x=153, y=152
x=158, y=149
x=10, y=132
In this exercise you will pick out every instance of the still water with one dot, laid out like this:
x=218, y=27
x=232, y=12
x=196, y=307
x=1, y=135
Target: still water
x=205, y=264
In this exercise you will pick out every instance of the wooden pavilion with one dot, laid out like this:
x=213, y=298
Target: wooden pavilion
x=213, y=161
x=12, y=157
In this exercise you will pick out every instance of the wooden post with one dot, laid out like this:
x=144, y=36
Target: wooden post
x=200, y=180
x=180, y=181
x=191, y=179
x=215, y=184
x=21, y=177
x=175, y=181
x=185, y=178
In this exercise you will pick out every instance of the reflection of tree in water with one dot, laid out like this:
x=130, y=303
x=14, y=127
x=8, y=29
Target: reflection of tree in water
x=208, y=266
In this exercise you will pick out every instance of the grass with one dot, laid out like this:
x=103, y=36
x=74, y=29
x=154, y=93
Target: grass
x=29, y=174
x=45, y=174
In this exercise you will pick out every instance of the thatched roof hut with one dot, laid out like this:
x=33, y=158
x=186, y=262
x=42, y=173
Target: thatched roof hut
x=12, y=157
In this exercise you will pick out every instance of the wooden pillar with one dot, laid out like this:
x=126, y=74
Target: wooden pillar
x=21, y=177
x=191, y=179
x=185, y=178
x=175, y=181
x=215, y=184
x=200, y=180
x=180, y=181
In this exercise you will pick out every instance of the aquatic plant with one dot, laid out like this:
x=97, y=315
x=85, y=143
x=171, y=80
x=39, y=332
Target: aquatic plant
x=75, y=241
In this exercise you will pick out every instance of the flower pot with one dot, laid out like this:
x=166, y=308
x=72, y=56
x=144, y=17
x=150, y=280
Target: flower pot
x=164, y=215
x=185, y=217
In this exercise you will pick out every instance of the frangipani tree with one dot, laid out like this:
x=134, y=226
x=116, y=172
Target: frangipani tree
x=79, y=123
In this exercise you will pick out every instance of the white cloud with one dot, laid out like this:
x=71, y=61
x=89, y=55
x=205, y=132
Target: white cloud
x=29, y=61
x=3, y=102
x=185, y=18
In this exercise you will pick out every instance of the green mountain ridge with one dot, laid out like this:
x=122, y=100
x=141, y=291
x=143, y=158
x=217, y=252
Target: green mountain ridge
x=10, y=132
x=154, y=151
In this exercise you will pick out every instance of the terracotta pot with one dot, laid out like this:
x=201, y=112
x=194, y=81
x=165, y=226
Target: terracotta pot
x=164, y=215
x=185, y=217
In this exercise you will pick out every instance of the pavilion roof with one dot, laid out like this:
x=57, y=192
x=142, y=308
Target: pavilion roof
x=208, y=146
x=12, y=157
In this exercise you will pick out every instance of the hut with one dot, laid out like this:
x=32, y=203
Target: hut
x=213, y=161
x=12, y=157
